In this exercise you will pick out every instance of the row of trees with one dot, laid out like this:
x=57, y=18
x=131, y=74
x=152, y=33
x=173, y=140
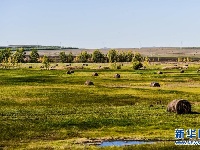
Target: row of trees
x=98, y=57
x=112, y=56
x=19, y=56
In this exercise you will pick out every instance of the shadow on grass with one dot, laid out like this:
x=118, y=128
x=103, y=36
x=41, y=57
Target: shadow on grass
x=195, y=112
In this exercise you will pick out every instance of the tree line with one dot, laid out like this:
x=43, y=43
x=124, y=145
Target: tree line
x=98, y=57
x=19, y=56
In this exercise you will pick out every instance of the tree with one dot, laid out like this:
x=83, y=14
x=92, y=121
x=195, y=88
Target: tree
x=1, y=55
x=112, y=55
x=137, y=65
x=137, y=57
x=121, y=56
x=146, y=61
x=97, y=56
x=136, y=62
x=5, y=54
x=180, y=59
x=46, y=62
x=34, y=56
x=83, y=56
x=70, y=57
x=63, y=57
x=19, y=55
x=129, y=56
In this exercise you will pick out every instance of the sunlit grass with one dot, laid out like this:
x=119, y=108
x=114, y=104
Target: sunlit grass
x=39, y=105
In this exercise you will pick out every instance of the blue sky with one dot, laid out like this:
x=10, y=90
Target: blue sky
x=100, y=23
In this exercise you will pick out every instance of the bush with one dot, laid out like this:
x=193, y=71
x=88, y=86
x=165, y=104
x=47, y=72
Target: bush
x=137, y=65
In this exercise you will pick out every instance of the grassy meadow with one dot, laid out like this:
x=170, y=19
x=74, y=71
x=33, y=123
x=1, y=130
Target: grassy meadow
x=49, y=109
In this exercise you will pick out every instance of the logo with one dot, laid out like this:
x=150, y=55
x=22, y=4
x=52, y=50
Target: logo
x=190, y=134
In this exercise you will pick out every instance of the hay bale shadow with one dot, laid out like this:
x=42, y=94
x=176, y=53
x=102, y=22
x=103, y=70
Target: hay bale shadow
x=195, y=112
x=68, y=72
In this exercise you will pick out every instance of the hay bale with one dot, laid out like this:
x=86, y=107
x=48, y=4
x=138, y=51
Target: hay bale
x=85, y=64
x=88, y=82
x=52, y=67
x=159, y=72
x=117, y=75
x=155, y=84
x=95, y=74
x=68, y=65
x=106, y=68
x=68, y=72
x=142, y=68
x=185, y=67
x=179, y=106
x=182, y=71
x=172, y=67
x=119, y=67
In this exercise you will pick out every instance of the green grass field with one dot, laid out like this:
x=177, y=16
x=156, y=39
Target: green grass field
x=49, y=109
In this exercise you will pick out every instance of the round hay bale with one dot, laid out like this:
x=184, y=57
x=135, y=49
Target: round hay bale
x=117, y=75
x=159, y=72
x=88, y=82
x=155, y=84
x=119, y=67
x=95, y=74
x=68, y=72
x=179, y=106
x=182, y=71
x=106, y=68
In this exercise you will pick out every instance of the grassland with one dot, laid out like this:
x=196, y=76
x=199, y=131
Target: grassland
x=49, y=109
